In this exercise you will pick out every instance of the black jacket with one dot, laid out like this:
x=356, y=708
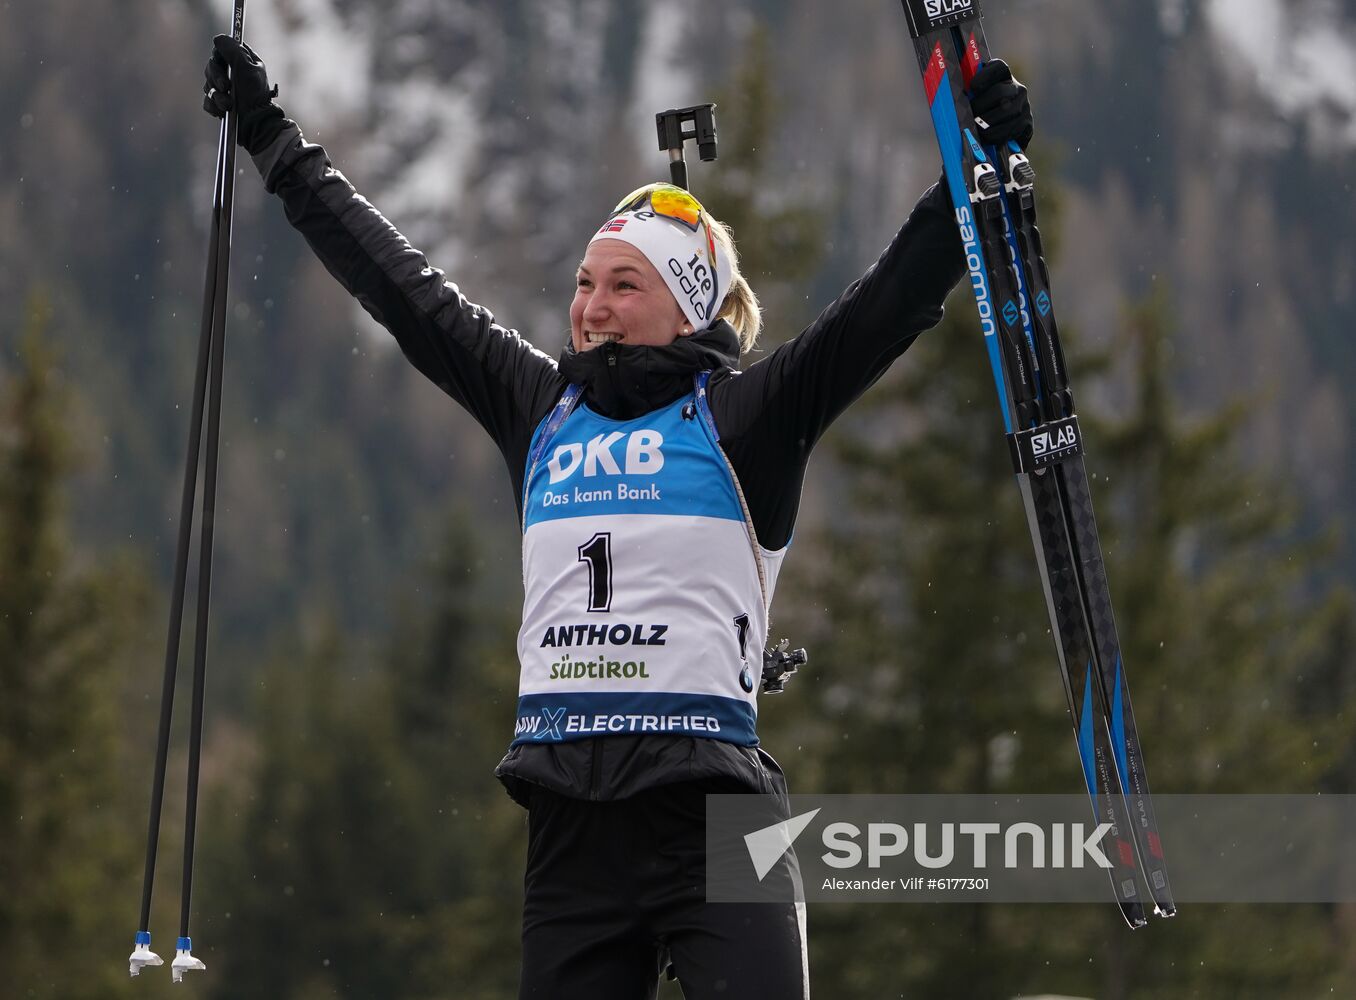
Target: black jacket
x=769, y=416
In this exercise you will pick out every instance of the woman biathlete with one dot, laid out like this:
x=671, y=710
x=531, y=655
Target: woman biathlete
x=658, y=485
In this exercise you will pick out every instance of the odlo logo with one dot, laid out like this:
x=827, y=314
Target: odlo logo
x=1052, y=441
x=941, y=8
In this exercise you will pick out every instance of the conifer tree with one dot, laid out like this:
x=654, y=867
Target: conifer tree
x=371, y=842
x=780, y=239
x=454, y=682
x=935, y=670
x=67, y=859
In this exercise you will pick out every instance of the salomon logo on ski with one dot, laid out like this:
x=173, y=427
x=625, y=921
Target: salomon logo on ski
x=973, y=260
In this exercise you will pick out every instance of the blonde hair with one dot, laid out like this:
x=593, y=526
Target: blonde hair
x=740, y=307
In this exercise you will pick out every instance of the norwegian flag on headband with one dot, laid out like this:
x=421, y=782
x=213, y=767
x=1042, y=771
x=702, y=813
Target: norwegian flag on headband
x=613, y=226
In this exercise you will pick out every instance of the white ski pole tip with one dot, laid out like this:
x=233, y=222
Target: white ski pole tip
x=184, y=960
x=142, y=955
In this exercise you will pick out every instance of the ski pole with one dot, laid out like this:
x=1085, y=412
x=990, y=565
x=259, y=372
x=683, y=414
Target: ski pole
x=184, y=960
x=142, y=955
x=210, y=343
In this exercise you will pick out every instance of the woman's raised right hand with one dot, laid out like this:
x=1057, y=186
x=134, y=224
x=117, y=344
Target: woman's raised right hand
x=236, y=79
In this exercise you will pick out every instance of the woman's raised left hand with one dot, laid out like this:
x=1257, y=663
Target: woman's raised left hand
x=1000, y=105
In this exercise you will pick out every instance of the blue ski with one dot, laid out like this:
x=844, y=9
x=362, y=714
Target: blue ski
x=993, y=192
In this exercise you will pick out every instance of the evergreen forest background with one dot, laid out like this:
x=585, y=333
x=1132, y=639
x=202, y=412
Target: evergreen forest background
x=1197, y=168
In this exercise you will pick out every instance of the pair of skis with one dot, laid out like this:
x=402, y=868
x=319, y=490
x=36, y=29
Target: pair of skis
x=993, y=191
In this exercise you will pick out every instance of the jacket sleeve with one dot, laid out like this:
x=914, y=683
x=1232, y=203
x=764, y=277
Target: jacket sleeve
x=771, y=415
x=505, y=382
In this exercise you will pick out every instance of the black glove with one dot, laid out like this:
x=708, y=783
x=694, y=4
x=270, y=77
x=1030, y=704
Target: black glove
x=1000, y=105
x=236, y=80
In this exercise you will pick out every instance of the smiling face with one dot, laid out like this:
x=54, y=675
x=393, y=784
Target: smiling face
x=619, y=296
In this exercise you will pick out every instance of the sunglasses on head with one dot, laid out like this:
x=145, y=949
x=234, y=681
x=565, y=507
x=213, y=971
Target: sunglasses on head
x=666, y=200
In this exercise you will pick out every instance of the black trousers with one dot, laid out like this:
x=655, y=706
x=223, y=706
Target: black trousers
x=616, y=890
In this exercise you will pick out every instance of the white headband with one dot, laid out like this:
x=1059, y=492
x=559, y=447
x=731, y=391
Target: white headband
x=682, y=258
